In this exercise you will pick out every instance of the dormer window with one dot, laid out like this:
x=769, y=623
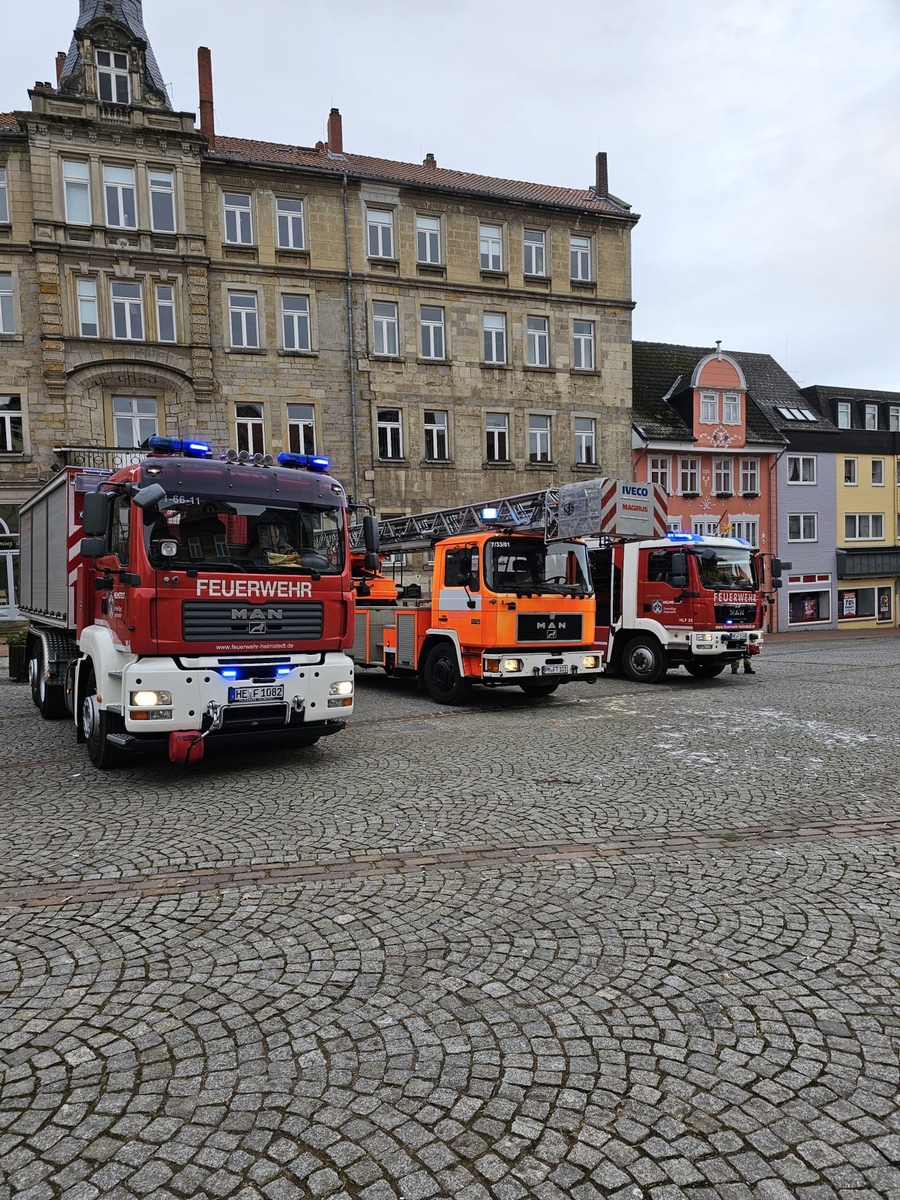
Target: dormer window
x=112, y=77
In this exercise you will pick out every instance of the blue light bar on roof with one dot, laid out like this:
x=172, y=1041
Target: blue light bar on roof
x=674, y=536
x=312, y=462
x=186, y=446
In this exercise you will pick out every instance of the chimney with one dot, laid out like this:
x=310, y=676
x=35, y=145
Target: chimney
x=335, y=133
x=60, y=63
x=207, y=109
x=602, y=186
x=429, y=161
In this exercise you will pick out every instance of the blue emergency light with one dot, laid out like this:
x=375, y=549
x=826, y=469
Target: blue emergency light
x=675, y=536
x=186, y=446
x=311, y=462
x=489, y=514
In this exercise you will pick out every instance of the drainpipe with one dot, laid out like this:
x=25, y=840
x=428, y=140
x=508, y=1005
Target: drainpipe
x=773, y=532
x=351, y=368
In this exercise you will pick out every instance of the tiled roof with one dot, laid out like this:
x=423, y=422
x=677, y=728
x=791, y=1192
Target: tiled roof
x=362, y=166
x=663, y=370
x=8, y=121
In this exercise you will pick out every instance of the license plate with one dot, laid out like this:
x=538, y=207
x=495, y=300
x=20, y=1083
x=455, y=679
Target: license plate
x=254, y=695
x=554, y=669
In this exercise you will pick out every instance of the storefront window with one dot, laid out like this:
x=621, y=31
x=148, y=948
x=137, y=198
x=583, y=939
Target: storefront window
x=865, y=603
x=808, y=607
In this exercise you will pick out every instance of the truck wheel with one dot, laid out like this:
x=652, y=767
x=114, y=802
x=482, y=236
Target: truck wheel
x=704, y=670
x=443, y=682
x=539, y=687
x=644, y=660
x=49, y=698
x=96, y=727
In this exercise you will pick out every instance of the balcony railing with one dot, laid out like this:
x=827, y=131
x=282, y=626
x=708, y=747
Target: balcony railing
x=110, y=458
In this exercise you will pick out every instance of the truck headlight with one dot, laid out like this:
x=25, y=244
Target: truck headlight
x=512, y=665
x=149, y=699
x=343, y=688
x=706, y=637
x=590, y=662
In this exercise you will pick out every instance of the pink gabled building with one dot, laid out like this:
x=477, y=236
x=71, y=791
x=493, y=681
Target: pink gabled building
x=701, y=434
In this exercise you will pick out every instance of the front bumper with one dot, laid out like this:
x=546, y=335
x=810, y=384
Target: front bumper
x=565, y=665
x=291, y=692
x=725, y=642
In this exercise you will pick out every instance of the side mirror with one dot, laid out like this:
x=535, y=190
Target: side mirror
x=93, y=547
x=371, y=562
x=679, y=575
x=151, y=496
x=95, y=514
x=777, y=582
x=371, y=536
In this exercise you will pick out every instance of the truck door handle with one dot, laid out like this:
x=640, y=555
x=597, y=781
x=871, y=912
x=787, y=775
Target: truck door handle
x=442, y=618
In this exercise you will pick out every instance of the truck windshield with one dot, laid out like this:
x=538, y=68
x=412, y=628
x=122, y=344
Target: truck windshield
x=727, y=569
x=528, y=565
x=213, y=534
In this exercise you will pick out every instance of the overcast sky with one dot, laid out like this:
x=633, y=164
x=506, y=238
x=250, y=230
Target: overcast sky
x=758, y=139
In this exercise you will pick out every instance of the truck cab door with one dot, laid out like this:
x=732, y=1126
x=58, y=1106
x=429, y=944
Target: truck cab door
x=116, y=595
x=458, y=599
x=662, y=595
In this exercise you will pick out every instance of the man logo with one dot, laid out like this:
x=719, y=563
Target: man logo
x=257, y=614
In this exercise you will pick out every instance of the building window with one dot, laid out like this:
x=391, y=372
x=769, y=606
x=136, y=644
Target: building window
x=705, y=528
x=436, y=443
x=121, y=200
x=722, y=476
x=88, y=321
x=385, y=328
x=135, y=419
x=289, y=222
x=490, y=239
x=871, y=416
x=709, y=408
x=583, y=345
x=689, y=476
x=249, y=426
x=112, y=77
x=4, y=198
x=811, y=606
x=162, y=201
x=660, y=471
x=801, y=468
x=843, y=414
x=238, y=219
x=746, y=528
x=127, y=311
x=580, y=258
x=77, y=192
x=538, y=341
x=494, y=338
x=244, y=320
x=428, y=239
x=165, y=312
x=585, y=442
x=301, y=428
x=390, y=433
x=538, y=438
x=850, y=471
x=431, y=332
x=7, y=312
x=12, y=438
x=731, y=409
x=877, y=472
x=802, y=527
x=864, y=603
x=750, y=476
x=380, y=224
x=496, y=427
x=295, y=327
x=535, y=260
x=894, y=419
x=864, y=527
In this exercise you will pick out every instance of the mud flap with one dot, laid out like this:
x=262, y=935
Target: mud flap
x=186, y=747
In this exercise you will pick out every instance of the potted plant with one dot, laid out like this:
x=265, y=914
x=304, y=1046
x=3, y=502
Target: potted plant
x=18, y=664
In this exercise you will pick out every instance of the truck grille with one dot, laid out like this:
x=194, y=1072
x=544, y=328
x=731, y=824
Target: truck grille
x=742, y=614
x=548, y=627
x=209, y=620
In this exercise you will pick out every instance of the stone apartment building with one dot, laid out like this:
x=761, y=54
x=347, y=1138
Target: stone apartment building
x=441, y=336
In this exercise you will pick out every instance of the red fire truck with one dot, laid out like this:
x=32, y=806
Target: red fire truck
x=188, y=596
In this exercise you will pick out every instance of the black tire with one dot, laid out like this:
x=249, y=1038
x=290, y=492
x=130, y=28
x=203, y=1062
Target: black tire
x=442, y=677
x=539, y=687
x=704, y=670
x=644, y=660
x=96, y=726
x=49, y=698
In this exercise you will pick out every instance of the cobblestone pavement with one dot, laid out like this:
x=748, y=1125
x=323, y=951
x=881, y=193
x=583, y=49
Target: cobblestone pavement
x=628, y=942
